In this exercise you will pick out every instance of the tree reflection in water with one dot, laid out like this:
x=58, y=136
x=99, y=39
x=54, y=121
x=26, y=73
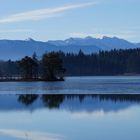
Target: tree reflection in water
x=54, y=101
x=27, y=99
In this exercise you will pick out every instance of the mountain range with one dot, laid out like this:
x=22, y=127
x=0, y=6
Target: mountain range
x=16, y=49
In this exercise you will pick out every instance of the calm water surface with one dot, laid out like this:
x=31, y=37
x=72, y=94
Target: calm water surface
x=69, y=117
x=76, y=85
x=81, y=108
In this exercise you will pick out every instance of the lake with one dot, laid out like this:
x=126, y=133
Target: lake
x=69, y=117
x=76, y=85
x=81, y=108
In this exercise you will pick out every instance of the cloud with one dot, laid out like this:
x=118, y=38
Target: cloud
x=30, y=135
x=42, y=13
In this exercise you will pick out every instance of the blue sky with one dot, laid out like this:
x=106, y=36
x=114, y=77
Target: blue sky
x=61, y=19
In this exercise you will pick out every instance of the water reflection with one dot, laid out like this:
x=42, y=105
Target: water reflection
x=73, y=103
x=27, y=99
x=69, y=117
x=22, y=135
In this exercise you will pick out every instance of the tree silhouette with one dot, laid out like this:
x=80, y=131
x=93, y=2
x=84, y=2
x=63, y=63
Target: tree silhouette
x=53, y=66
x=114, y=62
x=35, y=66
x=27, y=66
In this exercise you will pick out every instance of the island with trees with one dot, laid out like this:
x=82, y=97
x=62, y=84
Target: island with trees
x=49, y=68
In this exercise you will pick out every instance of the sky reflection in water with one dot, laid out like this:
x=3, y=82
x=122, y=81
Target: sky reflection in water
x=69, y=117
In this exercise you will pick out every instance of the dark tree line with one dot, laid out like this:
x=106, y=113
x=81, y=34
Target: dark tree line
x=114, y=62
x=49, y=68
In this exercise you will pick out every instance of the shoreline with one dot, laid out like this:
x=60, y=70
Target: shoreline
x=30, y=80
x=60, y=80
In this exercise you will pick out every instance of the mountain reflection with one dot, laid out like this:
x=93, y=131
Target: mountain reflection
x=73, y=103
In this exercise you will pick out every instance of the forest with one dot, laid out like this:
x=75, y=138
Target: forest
x=55, y=64
x=49, y=68
x=114, y=62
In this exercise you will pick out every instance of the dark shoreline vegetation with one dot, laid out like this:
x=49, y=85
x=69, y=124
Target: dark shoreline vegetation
x=27, y=69
x=53, y=65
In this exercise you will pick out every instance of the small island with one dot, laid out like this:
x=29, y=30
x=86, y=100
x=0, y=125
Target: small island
x=49, y=68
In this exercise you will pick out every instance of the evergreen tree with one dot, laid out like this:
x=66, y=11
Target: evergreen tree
x=53, y=66
x=35, y=66
x=27, y=66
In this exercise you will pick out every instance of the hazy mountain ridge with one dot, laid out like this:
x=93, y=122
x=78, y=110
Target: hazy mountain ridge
x=15, y=49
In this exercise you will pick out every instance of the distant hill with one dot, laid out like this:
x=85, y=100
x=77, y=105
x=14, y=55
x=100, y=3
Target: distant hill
x=15, y=49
